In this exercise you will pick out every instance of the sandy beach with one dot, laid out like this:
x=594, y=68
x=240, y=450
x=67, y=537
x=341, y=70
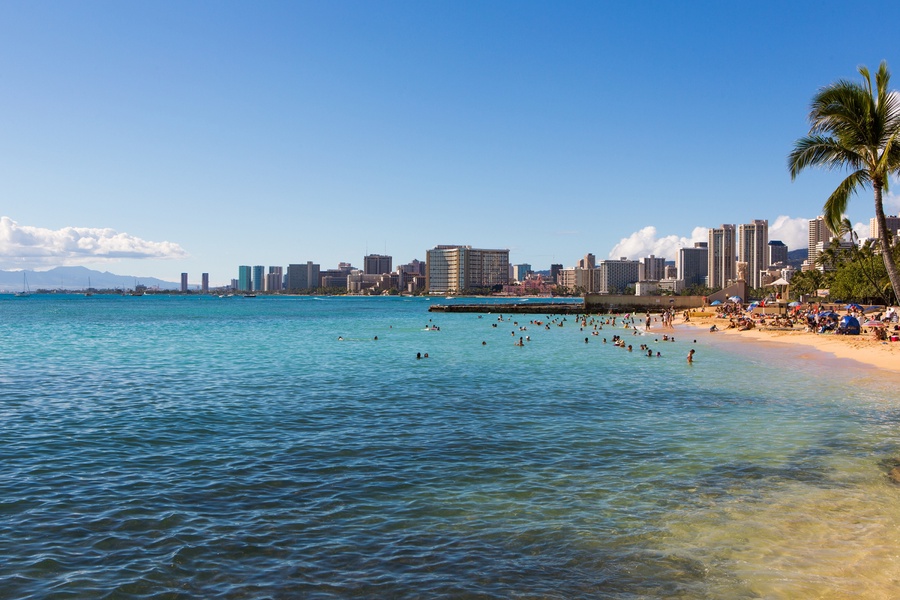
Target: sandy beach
x=863, y=349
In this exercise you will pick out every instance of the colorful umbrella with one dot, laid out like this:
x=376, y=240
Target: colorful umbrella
x=853, y=306
x=716, y=303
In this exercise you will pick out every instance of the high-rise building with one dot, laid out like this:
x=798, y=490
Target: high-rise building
x=204, y=285
x=303, y=277
x=818, y=233
x=652, y=268
x=377, y=264
x=184, y=282
x=693, y=264
x=892, y=222
x=413, y=267
x=753, y=249
x=275, y=279
x=245, y=278
x=259, y=278
x=520, y=272
x=579, y=280
x=616, y=275
x=778, y=252
x=588, y=262
x=554, y=272
x=720, y=258
x=459, y=268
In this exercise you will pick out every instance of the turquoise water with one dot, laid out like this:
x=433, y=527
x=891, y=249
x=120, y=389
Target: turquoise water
x=168, y=447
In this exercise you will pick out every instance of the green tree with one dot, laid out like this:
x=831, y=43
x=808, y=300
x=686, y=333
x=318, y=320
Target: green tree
x=807, y=283
x=855, y=127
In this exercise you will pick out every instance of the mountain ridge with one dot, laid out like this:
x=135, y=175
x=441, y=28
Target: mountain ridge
x=76, y=279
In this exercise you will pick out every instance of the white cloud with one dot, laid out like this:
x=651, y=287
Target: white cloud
x=644, y=243
x=23, y=246
x=793, y=231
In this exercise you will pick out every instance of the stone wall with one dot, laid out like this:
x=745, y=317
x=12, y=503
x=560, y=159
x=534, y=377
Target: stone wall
x=604, y=303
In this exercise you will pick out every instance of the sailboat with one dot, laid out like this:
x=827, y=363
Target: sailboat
x=89, y=292
x=26, y=291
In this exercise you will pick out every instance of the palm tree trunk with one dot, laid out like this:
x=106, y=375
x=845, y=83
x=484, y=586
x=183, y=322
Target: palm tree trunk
x=886, y=252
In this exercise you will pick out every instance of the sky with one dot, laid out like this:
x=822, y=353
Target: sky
x=155, y=138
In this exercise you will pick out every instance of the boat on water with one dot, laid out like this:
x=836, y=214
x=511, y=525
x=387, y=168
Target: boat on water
x=26, y=291
x=249, y=296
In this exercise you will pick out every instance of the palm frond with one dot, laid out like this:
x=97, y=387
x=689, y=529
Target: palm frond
x=836, y=205
x=822, y=151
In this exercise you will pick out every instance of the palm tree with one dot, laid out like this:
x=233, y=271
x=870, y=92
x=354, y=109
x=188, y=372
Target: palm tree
x=855, y=127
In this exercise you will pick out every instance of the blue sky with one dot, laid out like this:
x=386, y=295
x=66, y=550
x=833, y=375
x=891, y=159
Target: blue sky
x=151, y=138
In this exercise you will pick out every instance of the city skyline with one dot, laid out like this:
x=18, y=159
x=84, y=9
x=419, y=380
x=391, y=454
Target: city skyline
x=163, y=138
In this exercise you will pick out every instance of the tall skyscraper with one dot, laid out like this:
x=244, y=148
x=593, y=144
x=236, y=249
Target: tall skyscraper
x=245, y=278
x=652, y=268
x=459, y=268
x=303, y=277
x=721, y=256
x=413, y=267
x=614, y=276
x=204, y=285
x=377, y=264
x=892, y=222
x=259, y=278
x=520, y=272
x=184, y=282
x=588, y=262
x=693, y=264
x=753, y=249
x=778, y=252
x=555, y=268
x=818, y=234
x=275, y=279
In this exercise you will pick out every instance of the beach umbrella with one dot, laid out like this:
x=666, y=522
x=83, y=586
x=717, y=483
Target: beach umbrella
x=736, y=299
x=873, y=324
x=871, y=309
x=853, y=306
x=753, y=305
x=827, y=313
x=849, y=325
x=794, y=304
x=715, y=303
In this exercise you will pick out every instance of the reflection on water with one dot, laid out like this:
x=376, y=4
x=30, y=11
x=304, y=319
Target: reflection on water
x=209, y=447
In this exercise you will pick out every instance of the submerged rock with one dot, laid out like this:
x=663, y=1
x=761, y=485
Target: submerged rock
x=894, y=475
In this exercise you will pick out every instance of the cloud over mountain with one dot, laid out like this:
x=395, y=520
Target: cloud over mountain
x=23, y=246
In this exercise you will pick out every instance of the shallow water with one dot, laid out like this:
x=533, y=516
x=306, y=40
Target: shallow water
x=204, y=447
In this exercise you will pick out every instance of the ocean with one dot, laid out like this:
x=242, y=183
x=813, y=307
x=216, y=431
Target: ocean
x=203, y=447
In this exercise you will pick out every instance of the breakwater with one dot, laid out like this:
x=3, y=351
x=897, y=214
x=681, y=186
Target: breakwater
x=527, y=308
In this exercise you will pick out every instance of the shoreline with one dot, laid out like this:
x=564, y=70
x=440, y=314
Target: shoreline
x=863, y=349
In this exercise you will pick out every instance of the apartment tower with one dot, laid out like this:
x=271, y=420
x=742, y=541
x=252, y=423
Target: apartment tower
x=722, y=263
x=753, y=249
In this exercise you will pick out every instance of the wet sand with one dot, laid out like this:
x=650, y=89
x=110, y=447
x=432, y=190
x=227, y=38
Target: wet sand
x=863, y=349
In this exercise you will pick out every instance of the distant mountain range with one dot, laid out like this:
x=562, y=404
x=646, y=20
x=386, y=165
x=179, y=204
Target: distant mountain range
x=77, y=278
